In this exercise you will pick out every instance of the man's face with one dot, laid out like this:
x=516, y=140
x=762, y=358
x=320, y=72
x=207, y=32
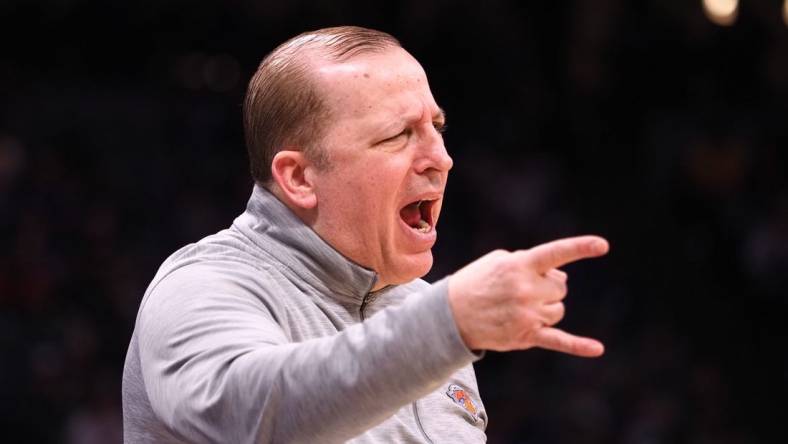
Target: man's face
x=378, y=201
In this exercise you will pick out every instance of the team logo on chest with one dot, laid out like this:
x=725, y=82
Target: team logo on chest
x=461, y=398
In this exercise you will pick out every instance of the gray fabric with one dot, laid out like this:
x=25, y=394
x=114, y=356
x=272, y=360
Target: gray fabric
x=264, y=333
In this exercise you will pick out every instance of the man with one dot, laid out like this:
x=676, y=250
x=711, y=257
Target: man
x=306, y=320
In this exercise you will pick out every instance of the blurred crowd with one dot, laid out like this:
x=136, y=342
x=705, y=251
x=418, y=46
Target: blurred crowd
x=121, y=140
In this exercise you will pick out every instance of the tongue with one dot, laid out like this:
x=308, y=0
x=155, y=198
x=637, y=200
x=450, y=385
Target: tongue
x=411, y=214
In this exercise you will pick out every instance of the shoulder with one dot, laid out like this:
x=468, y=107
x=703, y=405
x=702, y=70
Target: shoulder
x=226, y=257
x=218, y=270
x=226, y=246
x=206, y=300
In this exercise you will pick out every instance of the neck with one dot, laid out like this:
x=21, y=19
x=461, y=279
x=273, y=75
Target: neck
x=307, y=216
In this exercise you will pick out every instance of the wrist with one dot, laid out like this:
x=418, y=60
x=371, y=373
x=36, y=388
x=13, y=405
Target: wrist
x=456, y=306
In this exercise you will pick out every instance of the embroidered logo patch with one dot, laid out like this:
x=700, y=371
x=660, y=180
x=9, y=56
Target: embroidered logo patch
x=461, y=398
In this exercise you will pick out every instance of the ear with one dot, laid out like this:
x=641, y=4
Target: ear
x=290, y=171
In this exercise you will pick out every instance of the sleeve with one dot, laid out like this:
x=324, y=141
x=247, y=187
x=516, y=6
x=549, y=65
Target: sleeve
x=217, y=366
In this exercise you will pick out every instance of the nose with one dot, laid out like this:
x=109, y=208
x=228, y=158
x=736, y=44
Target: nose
x=432, y=154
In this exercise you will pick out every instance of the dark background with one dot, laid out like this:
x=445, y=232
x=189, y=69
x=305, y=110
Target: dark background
x=121, y=140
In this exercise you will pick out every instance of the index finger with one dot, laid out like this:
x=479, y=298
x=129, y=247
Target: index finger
x=563, y=251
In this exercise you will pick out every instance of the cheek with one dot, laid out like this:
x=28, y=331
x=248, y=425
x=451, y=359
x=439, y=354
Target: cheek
x=381, y=178
x=367, y=189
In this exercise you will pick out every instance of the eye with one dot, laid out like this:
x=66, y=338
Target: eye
x=404, y=133
x=440, y=126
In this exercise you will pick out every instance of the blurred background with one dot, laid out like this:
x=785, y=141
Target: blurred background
x=660, y=124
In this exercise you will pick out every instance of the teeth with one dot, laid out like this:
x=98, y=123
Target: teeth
x=424, y=227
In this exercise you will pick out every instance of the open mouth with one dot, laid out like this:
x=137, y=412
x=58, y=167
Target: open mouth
x=418, y=215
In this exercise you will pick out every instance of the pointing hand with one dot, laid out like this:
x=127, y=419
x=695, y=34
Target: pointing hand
x=511, y=300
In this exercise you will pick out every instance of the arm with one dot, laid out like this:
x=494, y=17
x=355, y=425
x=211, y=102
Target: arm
x=218, y=368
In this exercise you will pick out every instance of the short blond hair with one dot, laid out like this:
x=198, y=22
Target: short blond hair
x=283, y=108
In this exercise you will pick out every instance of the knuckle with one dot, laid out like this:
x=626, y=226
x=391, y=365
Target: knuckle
x=524, y=259
x=525, y=291
x=562, y=290
x=521, y=254
x=498, y=252
x=560, y=311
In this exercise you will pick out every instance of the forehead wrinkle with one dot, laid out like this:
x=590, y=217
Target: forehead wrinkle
x=408, y=115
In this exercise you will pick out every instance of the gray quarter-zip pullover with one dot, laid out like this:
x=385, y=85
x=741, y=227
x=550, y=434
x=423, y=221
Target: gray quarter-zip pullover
x=264, y=333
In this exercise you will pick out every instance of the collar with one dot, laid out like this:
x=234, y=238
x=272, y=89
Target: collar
x=276, y=230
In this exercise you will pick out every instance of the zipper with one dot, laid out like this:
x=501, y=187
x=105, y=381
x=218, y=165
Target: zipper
x=418, y=422
x=369, y=296
x=368, y=299
x=364, y=303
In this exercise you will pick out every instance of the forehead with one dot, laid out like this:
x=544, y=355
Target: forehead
x=375, y=85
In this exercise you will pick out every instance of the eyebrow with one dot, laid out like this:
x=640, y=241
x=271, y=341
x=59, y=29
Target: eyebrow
x=439, y=115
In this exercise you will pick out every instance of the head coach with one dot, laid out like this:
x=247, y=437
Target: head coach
x=306, y=320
